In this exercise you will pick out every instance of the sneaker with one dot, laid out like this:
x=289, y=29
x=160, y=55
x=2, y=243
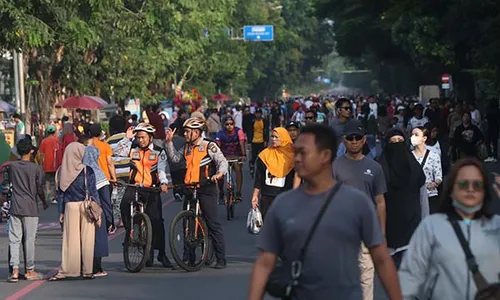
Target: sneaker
x=489, y=159
x=54, y=201
x=221, y=264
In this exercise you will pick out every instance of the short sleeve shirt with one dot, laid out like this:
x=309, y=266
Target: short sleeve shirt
x=105, y=151
x=349, y=220
x=49, y=147
x=365, y=175
x=230, y=144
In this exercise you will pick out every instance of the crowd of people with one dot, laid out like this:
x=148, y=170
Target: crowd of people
x=383, y=164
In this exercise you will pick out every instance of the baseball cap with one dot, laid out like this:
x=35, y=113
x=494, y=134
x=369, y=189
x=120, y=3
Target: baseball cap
x=258, y=111
x=293, y=124
x=95, y=130
x=51, y=129
x=354, y=128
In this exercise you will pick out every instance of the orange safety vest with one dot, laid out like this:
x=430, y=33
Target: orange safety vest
x=199, y=164
x=144, y=168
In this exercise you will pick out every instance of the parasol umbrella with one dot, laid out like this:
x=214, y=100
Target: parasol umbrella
x=6, y=107
x=221, y=97
x=83, y=102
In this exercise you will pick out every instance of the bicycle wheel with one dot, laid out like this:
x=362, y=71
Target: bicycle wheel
x=193, y=234
x=138, y=238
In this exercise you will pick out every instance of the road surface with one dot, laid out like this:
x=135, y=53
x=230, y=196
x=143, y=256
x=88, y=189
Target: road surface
x=151, y=283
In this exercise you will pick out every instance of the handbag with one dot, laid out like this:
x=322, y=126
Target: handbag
x=285, y=277
x=92, y=209
x=485, y=291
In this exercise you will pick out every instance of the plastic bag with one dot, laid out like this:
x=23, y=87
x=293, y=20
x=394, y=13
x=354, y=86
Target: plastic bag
x=254, y=221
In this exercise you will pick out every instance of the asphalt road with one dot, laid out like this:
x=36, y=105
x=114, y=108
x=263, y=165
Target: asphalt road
x=152, y=283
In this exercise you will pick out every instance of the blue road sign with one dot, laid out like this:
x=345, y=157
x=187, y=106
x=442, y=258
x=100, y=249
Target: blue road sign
x=262, y=33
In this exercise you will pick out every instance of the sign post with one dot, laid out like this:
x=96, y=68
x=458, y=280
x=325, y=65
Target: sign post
x=258, y=33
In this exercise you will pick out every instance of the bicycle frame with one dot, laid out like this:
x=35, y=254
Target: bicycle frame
x=196, y=212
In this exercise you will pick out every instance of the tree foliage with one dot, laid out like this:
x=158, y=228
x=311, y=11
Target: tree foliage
x=122, y=48
x=426, y=37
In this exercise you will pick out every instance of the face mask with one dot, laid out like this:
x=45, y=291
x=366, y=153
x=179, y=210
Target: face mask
x=416, y=140
x=467, y=209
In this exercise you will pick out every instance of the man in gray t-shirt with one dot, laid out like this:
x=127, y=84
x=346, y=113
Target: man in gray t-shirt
x=330, y=266
x=366, y=175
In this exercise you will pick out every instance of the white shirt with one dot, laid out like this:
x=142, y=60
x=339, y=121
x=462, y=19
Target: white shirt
x=374, y=109
x=414, y=123
x=432, y=170
x=436, y=148
x=238, y=119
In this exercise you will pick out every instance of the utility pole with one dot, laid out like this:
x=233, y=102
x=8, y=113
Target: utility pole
x=16, y=81
x=19, y=82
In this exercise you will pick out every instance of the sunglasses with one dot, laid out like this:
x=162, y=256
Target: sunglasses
x=349, y=108
x=354, y=137
x=229, y=124
x=477, y=185
x=309, y=118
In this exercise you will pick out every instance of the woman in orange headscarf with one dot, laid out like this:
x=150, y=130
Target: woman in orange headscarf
x=274, y=172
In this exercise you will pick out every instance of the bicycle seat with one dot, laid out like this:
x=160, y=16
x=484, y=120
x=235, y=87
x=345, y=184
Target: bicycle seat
x=232, y=159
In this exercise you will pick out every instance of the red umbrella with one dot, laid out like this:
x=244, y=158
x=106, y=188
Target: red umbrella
x=221, y=97
x=82, y=102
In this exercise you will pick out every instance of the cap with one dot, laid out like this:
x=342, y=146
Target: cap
x=95, y=130
x=293, y=124
x=258, y=111
x=354, y=128
x=51, y=129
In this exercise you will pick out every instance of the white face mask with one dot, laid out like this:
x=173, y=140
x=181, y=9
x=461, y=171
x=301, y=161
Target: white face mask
x=416, y=140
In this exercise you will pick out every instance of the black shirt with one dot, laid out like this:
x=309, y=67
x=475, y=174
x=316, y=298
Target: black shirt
x=269, y=190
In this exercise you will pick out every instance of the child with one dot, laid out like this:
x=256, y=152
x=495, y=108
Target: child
x=27, y=183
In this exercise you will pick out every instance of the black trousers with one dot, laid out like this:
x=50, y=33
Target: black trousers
x=256, y=149
x=153, y=210
x=207, y=196
x=178, y=178
x=265, y=203
x=492, y=137
x=434, y=202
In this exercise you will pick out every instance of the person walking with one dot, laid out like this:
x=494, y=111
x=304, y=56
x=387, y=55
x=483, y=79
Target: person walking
x=48, y=160
x=75, y=182
x=101, y=247
x=273, y=170
x=27, y=184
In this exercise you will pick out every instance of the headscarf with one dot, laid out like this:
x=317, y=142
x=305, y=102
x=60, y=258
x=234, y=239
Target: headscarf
x=399, y=164
x=90, y=158
x=279, y=160
x=72, y=165
x=4, y=149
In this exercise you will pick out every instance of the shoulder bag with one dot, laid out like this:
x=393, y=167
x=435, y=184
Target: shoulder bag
x=285, y=277
x=485, y=291
x=426, y=155
x=93, y=210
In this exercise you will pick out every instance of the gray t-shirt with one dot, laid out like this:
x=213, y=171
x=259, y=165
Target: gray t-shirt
x=25, y=177
x=365, y=175
x=331, y=260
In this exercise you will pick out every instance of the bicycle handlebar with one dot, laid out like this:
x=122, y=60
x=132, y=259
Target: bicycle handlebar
x=234, y=160
x=192, y=185
x=138, y=186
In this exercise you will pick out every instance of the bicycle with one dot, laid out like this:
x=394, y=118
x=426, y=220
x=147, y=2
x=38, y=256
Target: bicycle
x=195, y=233
x=229, y=194
x=140, y=234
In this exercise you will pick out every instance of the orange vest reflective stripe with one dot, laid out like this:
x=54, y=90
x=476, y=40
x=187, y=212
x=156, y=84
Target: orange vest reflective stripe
x=145, y=170
x=198, y=163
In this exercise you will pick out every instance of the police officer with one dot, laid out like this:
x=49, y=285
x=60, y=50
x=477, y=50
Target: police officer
x=148, y=168
x=204, y=160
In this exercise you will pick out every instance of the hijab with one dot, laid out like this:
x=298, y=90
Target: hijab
x=90, y=159
x=400, y=166
x=72, y=165
x=279, y=160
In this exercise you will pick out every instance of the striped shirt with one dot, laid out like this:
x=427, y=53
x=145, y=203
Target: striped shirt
x=122, y=163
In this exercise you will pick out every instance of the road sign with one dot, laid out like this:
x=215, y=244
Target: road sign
x=445, y=78
x=445, y=86
x=258, y=33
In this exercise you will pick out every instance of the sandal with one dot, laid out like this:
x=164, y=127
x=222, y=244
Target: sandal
x=57, y=277
x=88, y=277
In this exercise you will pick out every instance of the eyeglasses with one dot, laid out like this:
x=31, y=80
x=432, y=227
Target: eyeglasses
x=477, y=185
x=229, y=124
x=354, y=137
x=349, y=108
